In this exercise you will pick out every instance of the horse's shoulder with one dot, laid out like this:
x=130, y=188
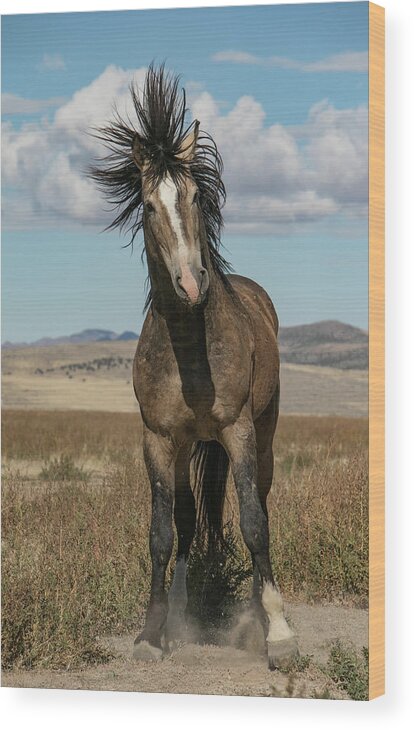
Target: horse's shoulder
x=253, y=296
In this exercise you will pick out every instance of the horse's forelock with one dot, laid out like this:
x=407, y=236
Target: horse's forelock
x=161, y=130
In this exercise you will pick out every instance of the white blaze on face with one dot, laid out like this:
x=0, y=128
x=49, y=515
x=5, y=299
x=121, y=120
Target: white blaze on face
x=168, y=195
x=273, y=605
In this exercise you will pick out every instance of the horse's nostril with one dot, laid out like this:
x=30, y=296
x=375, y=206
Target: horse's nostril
x=191, y=283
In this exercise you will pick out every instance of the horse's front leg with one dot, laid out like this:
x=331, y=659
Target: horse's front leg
x=159, y=455
x=185, y=521
x=239, y=440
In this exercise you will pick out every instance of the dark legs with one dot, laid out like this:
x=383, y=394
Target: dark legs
x=185, y=522
x=249, y=447
x=265, y=427
x=184, y=507
x=240, y=443
x=159, y=459
x=168, y=472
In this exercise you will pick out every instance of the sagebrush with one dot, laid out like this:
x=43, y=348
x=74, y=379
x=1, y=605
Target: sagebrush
x=349, y=669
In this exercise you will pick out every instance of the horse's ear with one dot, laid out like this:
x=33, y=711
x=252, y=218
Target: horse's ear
x=189, y=143
x=138, y=153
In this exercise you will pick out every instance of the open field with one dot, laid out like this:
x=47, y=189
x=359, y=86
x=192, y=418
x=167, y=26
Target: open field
x=97, y=376
x=75, y=578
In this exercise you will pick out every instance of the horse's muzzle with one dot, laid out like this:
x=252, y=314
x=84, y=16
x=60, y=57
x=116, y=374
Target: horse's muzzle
x=191, y=284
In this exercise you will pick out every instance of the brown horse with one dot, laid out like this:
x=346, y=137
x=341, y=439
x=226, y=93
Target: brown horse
x=206, y=370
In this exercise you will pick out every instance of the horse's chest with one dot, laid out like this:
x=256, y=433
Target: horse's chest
x=189, y=392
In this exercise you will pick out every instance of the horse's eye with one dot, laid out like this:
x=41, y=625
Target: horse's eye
x=149, y=208
x=195, y=198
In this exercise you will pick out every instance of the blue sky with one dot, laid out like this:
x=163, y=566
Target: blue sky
x=283, y=90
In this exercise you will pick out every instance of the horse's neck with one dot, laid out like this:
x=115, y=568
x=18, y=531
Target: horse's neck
x=190, y=328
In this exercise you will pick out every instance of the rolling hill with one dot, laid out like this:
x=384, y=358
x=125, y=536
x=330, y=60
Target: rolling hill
x=328, y=343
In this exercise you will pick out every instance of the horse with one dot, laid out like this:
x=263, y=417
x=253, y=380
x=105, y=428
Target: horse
x=206, y=368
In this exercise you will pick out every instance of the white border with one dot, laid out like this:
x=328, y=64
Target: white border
x=46, y=708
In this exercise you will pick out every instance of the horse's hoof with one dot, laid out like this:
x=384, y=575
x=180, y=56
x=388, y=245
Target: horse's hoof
x=145, y=652
x=282, y=654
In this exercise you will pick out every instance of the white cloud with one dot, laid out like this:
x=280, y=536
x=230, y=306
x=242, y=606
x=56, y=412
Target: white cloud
x=46, y=161
x=235, y=57
x=275, y=175
x=52, y=62
x=261, y=213
x=14, y=104
x=93, y=105
x=280, y=175
x=337, y=153
x=351, y=61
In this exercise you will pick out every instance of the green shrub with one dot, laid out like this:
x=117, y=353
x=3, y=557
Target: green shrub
x=349, y=669
x=63, y=469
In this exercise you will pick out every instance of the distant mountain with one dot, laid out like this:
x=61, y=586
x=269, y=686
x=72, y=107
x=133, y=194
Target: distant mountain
x=90, y=335
x=327, y=343
x=127, y=335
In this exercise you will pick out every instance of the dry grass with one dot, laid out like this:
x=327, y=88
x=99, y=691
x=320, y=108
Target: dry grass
x=75, y=555
x=75, y=565
x=45, y=434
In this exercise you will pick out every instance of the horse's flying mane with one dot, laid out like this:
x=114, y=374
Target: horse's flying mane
x=160, y=129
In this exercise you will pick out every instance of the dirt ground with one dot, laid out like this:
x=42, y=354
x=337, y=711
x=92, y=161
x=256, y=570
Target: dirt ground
x=221, y=670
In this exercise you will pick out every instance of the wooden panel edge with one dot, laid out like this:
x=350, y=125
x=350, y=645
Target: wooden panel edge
x=376, y=353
